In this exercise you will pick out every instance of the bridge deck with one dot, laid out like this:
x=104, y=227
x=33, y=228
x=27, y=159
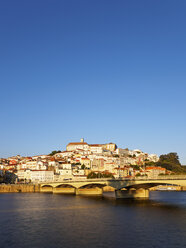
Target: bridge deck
x=121, y=182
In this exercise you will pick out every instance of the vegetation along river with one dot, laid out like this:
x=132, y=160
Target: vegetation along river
x=35, y=220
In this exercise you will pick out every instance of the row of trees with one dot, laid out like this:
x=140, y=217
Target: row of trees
x=99, y=175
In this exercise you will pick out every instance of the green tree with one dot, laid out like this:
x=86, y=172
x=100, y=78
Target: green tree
x=138, y=175
x=99, y=175
x=83, y=167
x=135, y=167
x=54, y=152
x=150, y=163
x=171, y=157
x=171, y=162
x=92, y=175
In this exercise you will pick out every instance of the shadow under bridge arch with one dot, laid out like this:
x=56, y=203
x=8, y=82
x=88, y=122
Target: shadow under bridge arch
x=146, y=185
x=65, y=188
x=65, y=185
x=46, y=188
x=94, y=189
x=93, y=185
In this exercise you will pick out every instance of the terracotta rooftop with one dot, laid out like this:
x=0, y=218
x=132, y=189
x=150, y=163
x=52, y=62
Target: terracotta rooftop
x=95, y=145
x=155, y=168
x=77, y=143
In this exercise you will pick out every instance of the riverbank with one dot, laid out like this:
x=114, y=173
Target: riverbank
x=19, y=188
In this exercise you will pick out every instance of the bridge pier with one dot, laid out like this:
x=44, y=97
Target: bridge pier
x=71, y=191
x=46, y=189
x=90, y=191
x=132, y=194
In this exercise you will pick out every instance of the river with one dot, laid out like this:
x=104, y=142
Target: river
x=35, y=220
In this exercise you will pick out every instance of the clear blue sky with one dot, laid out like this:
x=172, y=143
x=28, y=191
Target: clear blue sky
x=108, y=71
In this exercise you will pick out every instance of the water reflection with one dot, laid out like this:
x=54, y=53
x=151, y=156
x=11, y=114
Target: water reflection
x=47, y=220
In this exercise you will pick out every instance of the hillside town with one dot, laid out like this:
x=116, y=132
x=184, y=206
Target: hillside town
x=81, y=160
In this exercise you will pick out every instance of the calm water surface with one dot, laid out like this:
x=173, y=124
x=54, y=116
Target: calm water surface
x=51, y=221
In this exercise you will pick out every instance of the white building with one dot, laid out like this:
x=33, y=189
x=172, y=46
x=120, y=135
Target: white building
x=77, y=145
x=95, y=148
x=135, y=152
x=121, y=151
x=41, y=157
x=153, y=157
x=65, y=172
x=41, y=176
x=21, y=174
x=53, y=163
x=36, y=175
x=66, y=166
x=78, y=172
x=155, y=171
x=63, y=154
x=33, y=165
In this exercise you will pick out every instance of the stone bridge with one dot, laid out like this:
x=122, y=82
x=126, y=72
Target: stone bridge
x=124, y=188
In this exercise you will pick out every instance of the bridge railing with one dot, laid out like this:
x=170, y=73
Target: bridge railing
x=160, y=177
x=79, y=180
x=172, y=177
x=142, y=178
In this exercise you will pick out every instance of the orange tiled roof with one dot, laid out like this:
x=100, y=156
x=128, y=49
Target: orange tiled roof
x=77, y=143
x=96, y=145
x=155, y=168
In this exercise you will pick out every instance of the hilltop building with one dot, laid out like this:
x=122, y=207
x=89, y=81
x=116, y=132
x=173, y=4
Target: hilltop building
x=94, y=148
x=73, y=146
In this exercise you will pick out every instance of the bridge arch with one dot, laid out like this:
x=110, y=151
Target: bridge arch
x=46, y=186
x=65, y=185
x=92, y=185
